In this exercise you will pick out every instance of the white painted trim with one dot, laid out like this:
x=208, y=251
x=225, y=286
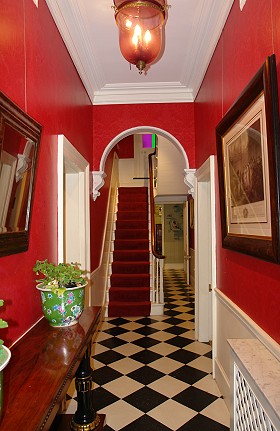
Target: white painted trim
x=99, y=277
x=68, y=19
x=97, y=183
x=189, y=180
x=245, y=320
x=218, y=13
x=205, y=174
x=157, y=309
x=67, y=152
x=141, y=129
x=155, y=92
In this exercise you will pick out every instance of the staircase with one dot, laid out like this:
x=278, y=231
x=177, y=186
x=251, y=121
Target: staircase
x=129, y=294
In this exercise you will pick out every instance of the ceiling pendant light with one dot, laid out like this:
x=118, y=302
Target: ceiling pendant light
x=140, y=29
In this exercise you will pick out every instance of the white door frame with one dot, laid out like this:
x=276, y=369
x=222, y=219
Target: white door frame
x=73, y=168
x=205, y=253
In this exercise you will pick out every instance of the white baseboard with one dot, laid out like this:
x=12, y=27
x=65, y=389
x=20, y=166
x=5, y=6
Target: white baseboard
x=157, y=309
x=232, y=322
x=223, y=382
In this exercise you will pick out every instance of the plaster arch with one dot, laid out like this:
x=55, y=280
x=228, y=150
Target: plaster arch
x=98, y=176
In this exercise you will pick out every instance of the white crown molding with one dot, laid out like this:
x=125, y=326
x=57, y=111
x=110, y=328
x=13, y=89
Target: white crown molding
x=68, y=19
x=205, y=44
x=162, y=92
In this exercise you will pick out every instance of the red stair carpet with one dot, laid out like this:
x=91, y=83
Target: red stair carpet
x=129, y=294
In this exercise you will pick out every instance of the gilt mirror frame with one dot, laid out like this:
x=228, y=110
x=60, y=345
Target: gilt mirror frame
x=19, y=144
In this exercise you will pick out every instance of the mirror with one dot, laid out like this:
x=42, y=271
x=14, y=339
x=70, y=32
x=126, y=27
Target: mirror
x=19, y=142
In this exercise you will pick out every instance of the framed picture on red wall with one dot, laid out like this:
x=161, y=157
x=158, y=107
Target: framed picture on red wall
x=248, y=164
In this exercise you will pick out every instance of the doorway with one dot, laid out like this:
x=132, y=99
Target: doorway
x=73, y=207
x=205, y=252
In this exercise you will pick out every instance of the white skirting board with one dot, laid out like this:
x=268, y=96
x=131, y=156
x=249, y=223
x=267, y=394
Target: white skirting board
x=232, y=322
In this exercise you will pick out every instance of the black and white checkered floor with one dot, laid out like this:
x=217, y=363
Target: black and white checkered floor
x=151, y=374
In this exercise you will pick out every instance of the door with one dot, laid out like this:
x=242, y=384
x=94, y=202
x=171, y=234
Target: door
x=205, y=252
x=73, y=207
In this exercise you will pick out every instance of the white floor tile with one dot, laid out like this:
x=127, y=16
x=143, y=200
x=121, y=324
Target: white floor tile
x=202, y=363
x=166, y=365
x=162, y=336
x=123, y=386
x=161, y=326
x=130, y=336
x=131, y=326
x=199, y=348
x=168, y=386
x=163, y=349
x=120, y=414
x=218, y=412
x=128, y=349
x=208, y=384
x=126, y=365
x=172, y=414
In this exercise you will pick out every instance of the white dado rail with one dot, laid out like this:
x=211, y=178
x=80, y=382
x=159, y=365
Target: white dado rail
x=255, y=387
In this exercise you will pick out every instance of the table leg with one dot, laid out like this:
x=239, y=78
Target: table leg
x=85, y=418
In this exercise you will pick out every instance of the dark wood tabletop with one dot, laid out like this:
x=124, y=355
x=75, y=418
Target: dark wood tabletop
x=42, y=366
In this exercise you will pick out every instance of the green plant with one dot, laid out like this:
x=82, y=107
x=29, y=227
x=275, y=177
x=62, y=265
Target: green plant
x=59, y=277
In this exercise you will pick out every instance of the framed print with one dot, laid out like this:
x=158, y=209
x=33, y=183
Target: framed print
x=248, y=163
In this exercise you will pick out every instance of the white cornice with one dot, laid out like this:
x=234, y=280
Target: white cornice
x=206, y=45
x=150, y=93
x=69, y=22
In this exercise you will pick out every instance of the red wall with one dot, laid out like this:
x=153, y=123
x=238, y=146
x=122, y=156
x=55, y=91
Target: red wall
x=248, y=38
x=174, y=118
x=109, y=121
x=38, y=74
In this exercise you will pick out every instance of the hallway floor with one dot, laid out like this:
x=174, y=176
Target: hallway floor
x=150, y=373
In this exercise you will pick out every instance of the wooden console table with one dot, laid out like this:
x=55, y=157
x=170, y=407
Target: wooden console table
x=43, y=363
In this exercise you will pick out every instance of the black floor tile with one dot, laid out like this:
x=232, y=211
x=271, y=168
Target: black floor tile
x=112, y=343
x=183, y=356
x=118, y=321
x=145, y=356
x=115, y=331
x=202, y=423
x=173, y=320
x=145, y=342
x=195, y=398
x=145, y=330
x=145, y=423
x=176, y=330
x=145, y=375
x=108, y=357
x=145, y=399
x=102, y=398
x=188, y=374
x=179, y=342
x=146, y=321
x=105, y=374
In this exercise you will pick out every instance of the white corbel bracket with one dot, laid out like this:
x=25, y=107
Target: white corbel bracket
x=97, y=182
x=189, y=180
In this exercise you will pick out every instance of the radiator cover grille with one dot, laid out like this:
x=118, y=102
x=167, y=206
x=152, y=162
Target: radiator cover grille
x=249, y=414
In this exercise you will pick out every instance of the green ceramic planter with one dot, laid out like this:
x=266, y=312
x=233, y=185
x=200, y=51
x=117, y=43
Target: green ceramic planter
x=65, y=309
x=5, y=356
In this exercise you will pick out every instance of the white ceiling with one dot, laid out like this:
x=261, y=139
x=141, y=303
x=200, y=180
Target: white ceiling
x=90, y=33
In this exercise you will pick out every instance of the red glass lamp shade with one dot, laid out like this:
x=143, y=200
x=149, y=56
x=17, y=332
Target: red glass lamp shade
x=140, y=29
